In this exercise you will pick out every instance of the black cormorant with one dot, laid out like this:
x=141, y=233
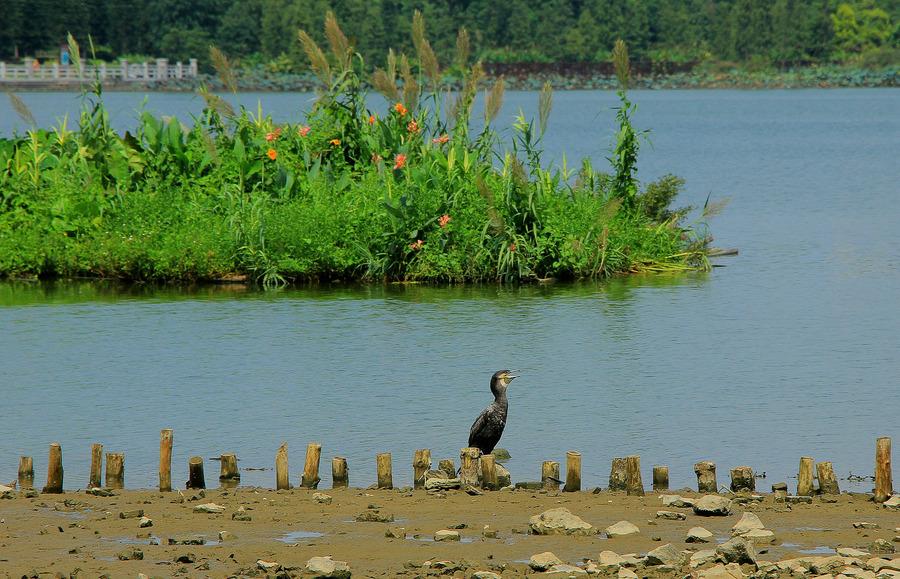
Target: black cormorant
x=488, y=427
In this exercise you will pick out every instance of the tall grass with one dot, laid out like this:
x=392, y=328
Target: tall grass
x=422, y=192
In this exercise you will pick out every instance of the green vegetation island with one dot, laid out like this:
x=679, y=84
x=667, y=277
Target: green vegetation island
x=416, y=191
x=674, y=44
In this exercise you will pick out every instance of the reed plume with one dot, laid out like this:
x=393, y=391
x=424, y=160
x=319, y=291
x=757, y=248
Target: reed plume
x=494, y=100
x=74, y=53
x=462, y=48
x=620, y=61
x=21, y=109
x=410, y=86
x=385, y=85
x=217, y=103
x=223, y=68
x=317, y=60
x=495, y=220
x=427, y=58
x=545, y=105
x=340, y=46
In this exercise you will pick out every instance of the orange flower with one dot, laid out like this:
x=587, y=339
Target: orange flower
x=272, y=154
x=271, y=137
x=335, y=142
x=277, y=132
x=303, y=131
x=412, y=126
x=416, y=245
x=440, y=140
x=444, y=220
x=512, y=247
x=399, y=161
x=376, y=158
x=371, y=119
x=401, y=110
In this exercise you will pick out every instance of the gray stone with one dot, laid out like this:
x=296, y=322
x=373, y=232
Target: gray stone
x=622, y=529
x=882, y=547
x=439, y=480
x=713, y=506
x=187, y=540
x=559, y=521
x=568, y=570
x=748, y=522
x=446, y=535
x=850, y=552
x=797, y=499
x=131, y=514
x=209, y=508
x=327, y=568
x=501, y=454
x=626, y=574
x=730, y=571
x=610, y=558
x=737, y=550
x=374, y=517
x=488, y=533
x=98, y=492
x=892, y=503
x=665, y=555
x=543, y=561
x=676, y=501
x=865, y=525
x=671, y=515
x=485, y=575
x=504, y=479
x=145, y=522
x=225, y=536
x=395, y=533
x=267, y=565
x=698, y=535
x=130, y=555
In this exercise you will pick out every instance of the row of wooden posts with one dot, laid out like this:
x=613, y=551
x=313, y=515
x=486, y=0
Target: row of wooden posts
x=475, y=469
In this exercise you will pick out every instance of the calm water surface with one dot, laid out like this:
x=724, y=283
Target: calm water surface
x=790, y=349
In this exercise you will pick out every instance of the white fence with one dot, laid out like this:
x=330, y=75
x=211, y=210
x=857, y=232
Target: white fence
x=159, y=71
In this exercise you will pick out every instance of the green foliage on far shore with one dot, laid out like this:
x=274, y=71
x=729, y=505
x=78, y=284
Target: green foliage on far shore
x=422, y=192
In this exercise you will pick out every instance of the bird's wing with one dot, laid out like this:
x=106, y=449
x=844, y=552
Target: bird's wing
x=484, y=419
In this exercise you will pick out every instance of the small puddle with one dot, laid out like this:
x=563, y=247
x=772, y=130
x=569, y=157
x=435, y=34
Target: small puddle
x=295, y=536
x=811, y=529
x=820, y=550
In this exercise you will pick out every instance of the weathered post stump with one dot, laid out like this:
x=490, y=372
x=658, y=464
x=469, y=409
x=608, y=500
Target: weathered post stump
x=448, y=466
x=340, y=476
x=573, y=472
x=165, y=460
x=488, y=472
x=742, y=479
x=660, y=478
x=26, y=472
x=228, y=468
x=310, y=478
x=96, y=466
x=421, y=465
x=706, y=476
x=617, y=475
x=385, y=471
x=115, y=470
x=805, y=486
x=54, y=470
x=884, y=486
x=633, y=483
x=550, y=475
x=828, y=484
x=282, y=473
x=469, y=466
x=196, y=480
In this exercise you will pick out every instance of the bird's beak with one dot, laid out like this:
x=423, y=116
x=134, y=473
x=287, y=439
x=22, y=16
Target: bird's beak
x=512, y=374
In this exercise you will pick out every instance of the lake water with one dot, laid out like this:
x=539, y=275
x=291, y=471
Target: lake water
x=791, y=349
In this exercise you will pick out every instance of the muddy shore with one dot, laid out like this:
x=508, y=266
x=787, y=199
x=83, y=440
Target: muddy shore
x=78, y=533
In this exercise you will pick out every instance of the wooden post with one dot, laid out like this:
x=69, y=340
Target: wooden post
x=805, y=477
x=421, y=465
x=385, y=473
x=115, y=470
x=742, y=479
x=339, y=473
x=573, y=472
x=828, y=484
x=884, y=487
x=488, y=472
x=282, y=473
x=550, y=475
x=633, y=483
x=310, y=478
x=448, y=467
x=196, y=480
x=165, y=460
x=660, y=478
x=469, y=466
x=229, y=471
x=617, y=475
x=96, y=465
x=54, y=470
x=706, y=476
x=26, y=472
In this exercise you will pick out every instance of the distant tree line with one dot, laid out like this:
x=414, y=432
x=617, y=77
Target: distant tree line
x=768, y=31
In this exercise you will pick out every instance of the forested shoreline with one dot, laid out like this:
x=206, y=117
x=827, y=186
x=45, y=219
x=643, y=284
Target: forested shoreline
x=753, y=34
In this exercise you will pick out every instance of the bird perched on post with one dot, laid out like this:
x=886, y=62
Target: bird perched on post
x=488, y=427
